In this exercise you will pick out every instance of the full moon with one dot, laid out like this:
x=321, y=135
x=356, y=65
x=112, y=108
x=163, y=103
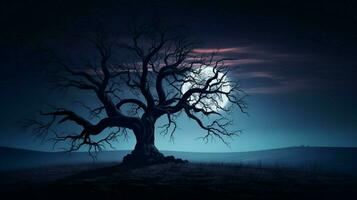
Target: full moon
x=213, y=101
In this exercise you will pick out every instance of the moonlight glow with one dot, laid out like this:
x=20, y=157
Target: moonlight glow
x=213, y=101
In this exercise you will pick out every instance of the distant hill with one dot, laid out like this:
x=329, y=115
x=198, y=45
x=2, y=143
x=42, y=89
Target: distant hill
x=337, y=159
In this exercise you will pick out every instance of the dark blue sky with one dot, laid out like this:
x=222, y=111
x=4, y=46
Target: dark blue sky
x=295, y=59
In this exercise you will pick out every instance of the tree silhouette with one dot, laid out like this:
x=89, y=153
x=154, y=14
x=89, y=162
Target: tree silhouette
x=162, y=77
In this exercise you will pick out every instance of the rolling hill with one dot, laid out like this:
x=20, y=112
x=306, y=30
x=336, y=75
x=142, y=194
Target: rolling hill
x=334, y=159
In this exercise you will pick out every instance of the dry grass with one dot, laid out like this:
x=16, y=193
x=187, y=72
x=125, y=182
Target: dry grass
x=185, y=181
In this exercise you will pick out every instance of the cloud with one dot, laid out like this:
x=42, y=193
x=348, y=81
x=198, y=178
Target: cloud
x=220, y=50
x=261, y=70
x=256, y=74
x=284, y=87
x=244, y=61
x=248, y=55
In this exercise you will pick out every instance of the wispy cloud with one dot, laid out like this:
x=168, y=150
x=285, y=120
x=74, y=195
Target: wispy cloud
x=284, y=87
x=256, y=74
x=220, y=50
x=262, y=70
x=244, y=61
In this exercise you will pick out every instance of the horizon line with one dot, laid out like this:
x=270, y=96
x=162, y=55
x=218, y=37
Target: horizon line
x=129, y=150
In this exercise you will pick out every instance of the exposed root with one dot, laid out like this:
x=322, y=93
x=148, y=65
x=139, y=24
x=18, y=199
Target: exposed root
x=135, y=159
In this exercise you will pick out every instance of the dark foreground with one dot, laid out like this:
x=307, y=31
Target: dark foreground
x=174, y=181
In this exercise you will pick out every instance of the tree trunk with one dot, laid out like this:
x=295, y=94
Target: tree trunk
x=145, y=140
x=145, y=152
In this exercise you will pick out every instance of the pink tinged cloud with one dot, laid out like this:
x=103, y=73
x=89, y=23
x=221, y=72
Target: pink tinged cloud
x=256, y=74
x=223, y=50
x=244, y=61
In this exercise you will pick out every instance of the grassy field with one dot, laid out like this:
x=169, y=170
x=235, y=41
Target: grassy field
x=175, y=181
x=327, y=159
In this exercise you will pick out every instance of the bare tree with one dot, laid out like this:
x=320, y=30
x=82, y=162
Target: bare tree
x=161, y=77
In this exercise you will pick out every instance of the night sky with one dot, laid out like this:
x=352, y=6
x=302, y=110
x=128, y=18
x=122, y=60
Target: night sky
x=297, y=60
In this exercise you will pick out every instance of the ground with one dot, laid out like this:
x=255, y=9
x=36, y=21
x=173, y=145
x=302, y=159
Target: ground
x=174, y=181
